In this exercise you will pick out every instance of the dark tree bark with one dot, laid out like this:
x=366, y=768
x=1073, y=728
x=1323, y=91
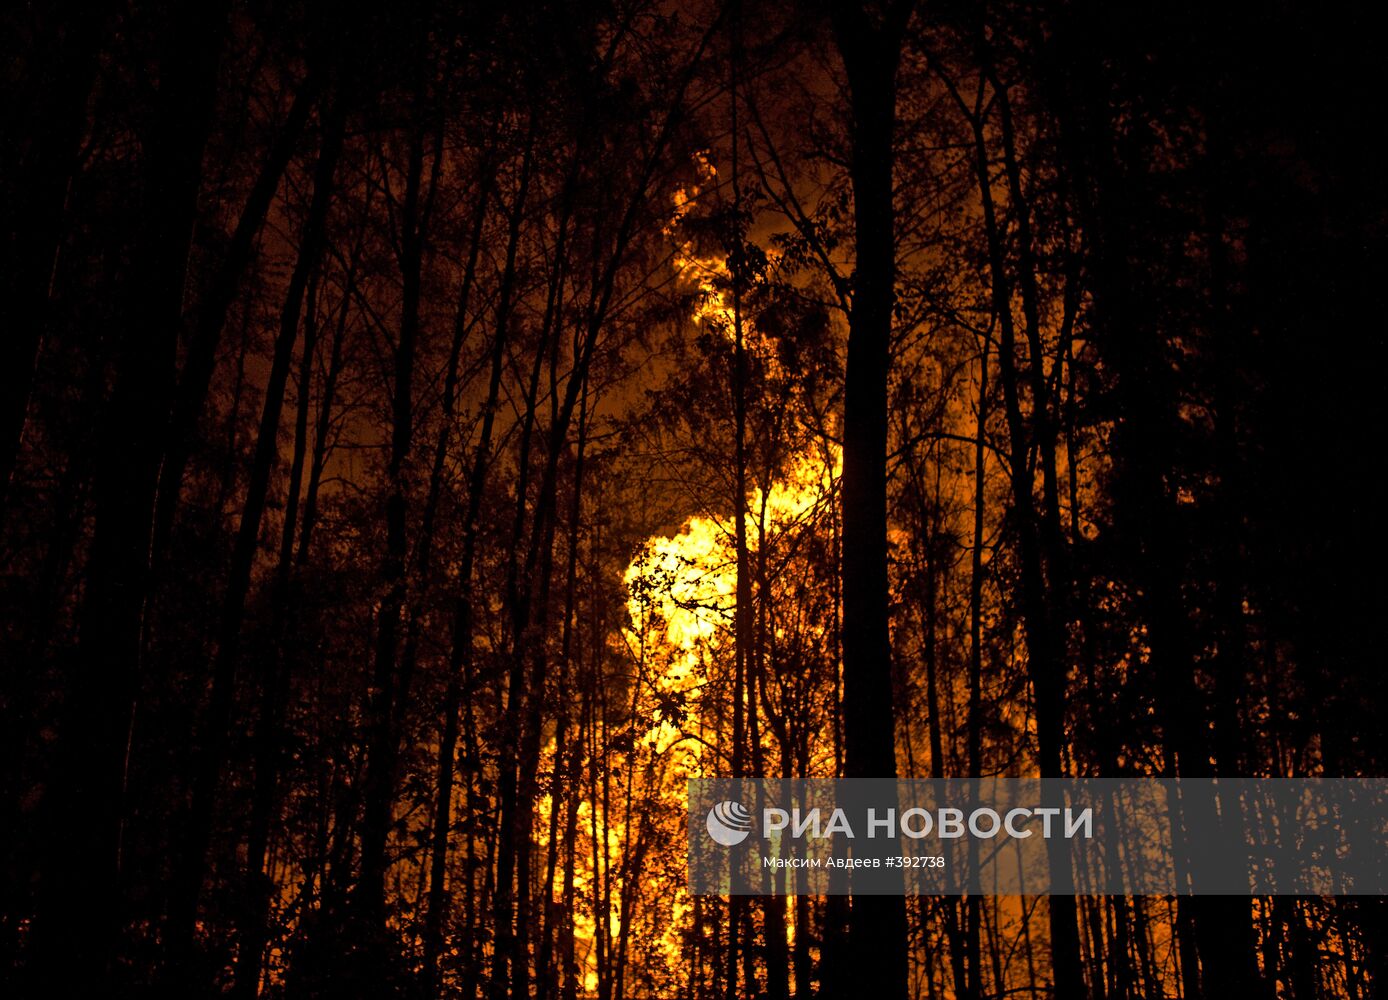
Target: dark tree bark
x=539, y=551
x=77, y=921
x=211, y=314
x=973, y=914
x=446, y=767
x=739, y=947
x=275, y=685
x=43, y=123
x=387, y=700
x=1123, y=221
x=210, y=760
x=562, y=788
x=529, y=651
x=503, y=900
x=1044, y=635
x=869, y=42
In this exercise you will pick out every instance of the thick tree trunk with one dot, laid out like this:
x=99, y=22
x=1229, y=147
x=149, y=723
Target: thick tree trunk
x=78, y=908
x=45, y=117
x=870, y=54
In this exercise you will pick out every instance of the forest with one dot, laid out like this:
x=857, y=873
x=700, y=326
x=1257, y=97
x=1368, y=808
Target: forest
x=434, y=432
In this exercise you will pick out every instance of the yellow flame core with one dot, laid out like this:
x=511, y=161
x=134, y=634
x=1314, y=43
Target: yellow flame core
x=709, y=275
x=681, y=588
x=681, y=600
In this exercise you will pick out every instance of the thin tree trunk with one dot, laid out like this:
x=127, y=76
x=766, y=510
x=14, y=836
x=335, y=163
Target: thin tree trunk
x=567, y=957
x=210, y=760
x=559, y=774
x=742, y=620
x=503, y=900
x=443, y=807
x=321, y=446
x=386, y=705
x=211, y=315
x=530, y=610
x=974, y=914
x=1045, y=661
x=268, y=741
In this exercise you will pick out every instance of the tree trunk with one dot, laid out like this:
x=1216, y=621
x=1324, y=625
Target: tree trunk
x=48, y=108
x=560, y=775
x=211, y=314
x=1045, y=653
x=870, y=53
x=77, y=922
x=210, y=760
x=448, y=739
x=386, y=702
x=268, y=740
x=504, y=899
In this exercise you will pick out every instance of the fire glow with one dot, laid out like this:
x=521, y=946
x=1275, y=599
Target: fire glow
x=917, y=823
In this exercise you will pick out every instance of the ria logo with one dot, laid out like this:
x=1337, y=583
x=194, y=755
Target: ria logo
x=729, y=823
